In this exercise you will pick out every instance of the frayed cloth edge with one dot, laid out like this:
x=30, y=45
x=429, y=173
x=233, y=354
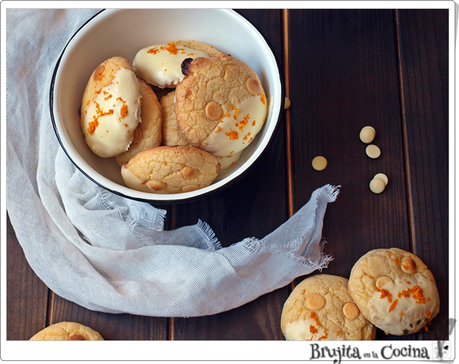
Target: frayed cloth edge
x=207, y=230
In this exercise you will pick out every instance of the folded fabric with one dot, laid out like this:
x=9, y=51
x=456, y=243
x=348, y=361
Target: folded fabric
x=109, y=253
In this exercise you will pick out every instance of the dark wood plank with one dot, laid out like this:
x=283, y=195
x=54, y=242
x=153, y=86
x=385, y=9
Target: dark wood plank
x=254, y=206
x=111, y=326
x=347, y=77
x=26, y=294
x=424, y=68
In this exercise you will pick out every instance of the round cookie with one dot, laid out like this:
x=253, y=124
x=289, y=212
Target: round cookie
x=160, y=64
x=171, y=134
x=394, y=290
x=148, y=133
x=169, y=169
x=111, y=107
x=220, y=105
x=321, y=308
x=67, y=331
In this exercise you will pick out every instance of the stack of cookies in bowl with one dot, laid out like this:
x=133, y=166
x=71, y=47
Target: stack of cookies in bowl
x=212, y=107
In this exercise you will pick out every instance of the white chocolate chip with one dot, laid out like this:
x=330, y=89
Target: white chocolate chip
x=377, y=185
x=319, y=163
x=383, y=280
x=383, y=177
x=315, y=302
x=287, y=103
x=367, y=134
x=373, y=151
x=351, y=311
x=408, y=265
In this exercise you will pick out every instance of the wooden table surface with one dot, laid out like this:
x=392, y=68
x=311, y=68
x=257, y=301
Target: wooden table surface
x=342, y=70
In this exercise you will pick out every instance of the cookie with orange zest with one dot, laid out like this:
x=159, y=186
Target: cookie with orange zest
x=321, y=308
x=395, y=290
x=220, y=105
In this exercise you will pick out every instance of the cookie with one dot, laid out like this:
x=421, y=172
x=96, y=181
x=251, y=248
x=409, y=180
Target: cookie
x=148, y=133
x=169, y=169
x=321, y=308
x=220, y=105
x=395, y=290
x=111, y=107
x=171, y=134
x=67, y=331
x=160, y=64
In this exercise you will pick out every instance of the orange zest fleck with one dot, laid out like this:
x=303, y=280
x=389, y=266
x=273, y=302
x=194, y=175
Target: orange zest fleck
x=232, y=134
x=247, y=136
x=92, y=125
x=153, y=50
x=244, y=122
x=400, y=313
x=425, y=328
x=218, y=130
x=170, y=47
x=312, y=329
x=403, y=293
x=236, y=111
x=392, y=306
x=263, y=98
x=124, y=111
x=429, y=314
x=417, y=294
x=338, y=332
x=325, y=336
x=314, y=317
x=385, y=293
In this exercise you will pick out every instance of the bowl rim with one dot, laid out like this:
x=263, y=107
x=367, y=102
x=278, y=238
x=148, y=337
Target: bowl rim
x=179, y=197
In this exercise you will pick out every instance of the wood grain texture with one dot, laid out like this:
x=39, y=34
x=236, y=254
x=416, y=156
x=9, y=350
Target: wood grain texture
x=347, y=78
x=111, y=326
x=424, y=75
x=241, y=211
x=26, y=294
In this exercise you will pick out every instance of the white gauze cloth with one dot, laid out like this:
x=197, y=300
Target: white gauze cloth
x=108, y=253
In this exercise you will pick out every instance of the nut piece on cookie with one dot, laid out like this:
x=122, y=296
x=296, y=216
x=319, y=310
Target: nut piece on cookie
x=220, y=105
x=111, y=107
x=171, y=134
x=168, y=169
x=148, y=133
x=321, y=308
x=394, y=290
x=160, y=64
x=64, y=331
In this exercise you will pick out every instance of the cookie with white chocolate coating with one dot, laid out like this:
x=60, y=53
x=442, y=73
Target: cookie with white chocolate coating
x=168, y=169
x=111, y=107
x=220, y=105
x=159, y=64
x=395, y=290
x=321, y=308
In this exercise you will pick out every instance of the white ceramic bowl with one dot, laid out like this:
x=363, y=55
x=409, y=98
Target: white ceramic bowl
x=124, y=32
